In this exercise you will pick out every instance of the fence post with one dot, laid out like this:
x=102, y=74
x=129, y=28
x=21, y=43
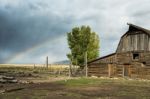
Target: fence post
x=109, y=70
x=86, y=68
x=70, y=68
x=47, y=62
x=34, y=66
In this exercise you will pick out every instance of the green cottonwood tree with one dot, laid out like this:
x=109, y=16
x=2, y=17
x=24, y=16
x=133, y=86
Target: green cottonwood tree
x=81, y=40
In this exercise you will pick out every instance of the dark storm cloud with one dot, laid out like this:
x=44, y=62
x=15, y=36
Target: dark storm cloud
x=22, y=28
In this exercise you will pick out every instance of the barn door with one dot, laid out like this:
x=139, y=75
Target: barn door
x=126, y=70
x=110, y=70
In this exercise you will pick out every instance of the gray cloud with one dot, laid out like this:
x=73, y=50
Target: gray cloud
x=19, y=31
x=33, y=29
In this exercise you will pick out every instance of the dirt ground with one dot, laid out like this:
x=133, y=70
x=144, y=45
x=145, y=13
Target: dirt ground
x=57, y=90
x=42, y=85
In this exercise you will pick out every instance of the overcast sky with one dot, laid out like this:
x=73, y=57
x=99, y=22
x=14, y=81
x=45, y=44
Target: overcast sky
x=30, y=30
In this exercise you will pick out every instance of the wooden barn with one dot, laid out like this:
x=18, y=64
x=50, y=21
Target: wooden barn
x=131, y=59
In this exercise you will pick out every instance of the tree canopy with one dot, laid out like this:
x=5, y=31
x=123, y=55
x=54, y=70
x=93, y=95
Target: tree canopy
x=81, y=40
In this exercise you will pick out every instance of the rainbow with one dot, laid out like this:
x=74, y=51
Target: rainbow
x=30, y=50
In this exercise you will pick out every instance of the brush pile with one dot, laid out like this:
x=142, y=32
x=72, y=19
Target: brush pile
x=7, y=79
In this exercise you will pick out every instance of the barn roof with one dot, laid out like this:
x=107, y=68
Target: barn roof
x=102, y=57
x=139, y=28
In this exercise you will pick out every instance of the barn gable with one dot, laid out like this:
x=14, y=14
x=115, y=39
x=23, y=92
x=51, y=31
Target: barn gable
x=135, y=39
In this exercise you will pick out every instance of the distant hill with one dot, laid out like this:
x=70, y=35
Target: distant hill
x=62, y=62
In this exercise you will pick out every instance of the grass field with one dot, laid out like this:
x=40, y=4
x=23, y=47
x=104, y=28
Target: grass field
x=107, y=88
x=46, y=86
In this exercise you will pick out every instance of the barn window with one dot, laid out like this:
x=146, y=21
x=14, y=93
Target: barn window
x=135, y=56
x=144, y=63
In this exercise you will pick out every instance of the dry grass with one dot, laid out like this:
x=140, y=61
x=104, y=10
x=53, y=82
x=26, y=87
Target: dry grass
x=52, y=67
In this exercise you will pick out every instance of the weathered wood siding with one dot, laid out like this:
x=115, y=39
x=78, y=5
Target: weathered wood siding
x=132, y=57
x=138, y=41
x=134, y=71
x=97, y=69
x=145, y=58
x=106, y=59
x=127, y=58
x=123, y=58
